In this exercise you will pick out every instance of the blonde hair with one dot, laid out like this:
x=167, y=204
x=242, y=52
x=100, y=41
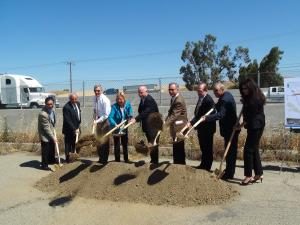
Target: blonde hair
x=120, y=94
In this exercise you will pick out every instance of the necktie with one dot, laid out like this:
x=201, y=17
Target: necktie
x=198, y=105
x=76, y=111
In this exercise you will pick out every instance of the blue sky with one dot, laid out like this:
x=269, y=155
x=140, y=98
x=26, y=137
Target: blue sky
x=113, y=40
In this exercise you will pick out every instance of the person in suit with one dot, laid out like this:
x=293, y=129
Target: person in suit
x=147, y=106
x=46, y=124
x=176, y=120
x=205, y=129
x=71, y=124
x=120, y=111
x=226, y=114
x=254, y=121
x=102, y=110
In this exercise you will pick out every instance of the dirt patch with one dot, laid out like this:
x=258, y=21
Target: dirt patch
x=138, y=182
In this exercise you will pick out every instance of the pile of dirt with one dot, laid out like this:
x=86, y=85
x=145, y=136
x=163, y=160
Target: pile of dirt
x=138, y=182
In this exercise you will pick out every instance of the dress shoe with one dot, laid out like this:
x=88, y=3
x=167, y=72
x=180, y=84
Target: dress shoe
x=246, y=181
x=226, y=177
x=257, y=178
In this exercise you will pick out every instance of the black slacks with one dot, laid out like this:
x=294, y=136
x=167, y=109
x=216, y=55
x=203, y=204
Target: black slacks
x=124, y=141
x=69, y=145
x=178, y=152
x=232, y=153
x=103, y=144
x=206, y=147
x=251, y=153
x=48, y=153
x=150, y=135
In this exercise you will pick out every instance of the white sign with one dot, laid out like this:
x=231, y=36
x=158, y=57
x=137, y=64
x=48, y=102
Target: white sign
x=292, y=103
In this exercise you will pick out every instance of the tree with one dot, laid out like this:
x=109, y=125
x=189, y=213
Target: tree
x=268, y=68
x=205, y=63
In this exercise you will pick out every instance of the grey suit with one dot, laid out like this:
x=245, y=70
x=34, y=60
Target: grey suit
x=46, y=134
x=177, y=119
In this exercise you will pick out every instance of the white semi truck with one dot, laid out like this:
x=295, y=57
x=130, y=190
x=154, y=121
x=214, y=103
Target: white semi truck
x=17, y=91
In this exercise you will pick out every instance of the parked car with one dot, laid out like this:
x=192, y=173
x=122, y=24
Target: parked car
x=111, y=91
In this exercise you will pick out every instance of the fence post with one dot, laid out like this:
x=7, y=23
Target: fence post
x=83, y=94
x=159, y=81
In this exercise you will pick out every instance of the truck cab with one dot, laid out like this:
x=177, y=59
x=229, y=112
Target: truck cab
x=275, y=93
x=22, y=91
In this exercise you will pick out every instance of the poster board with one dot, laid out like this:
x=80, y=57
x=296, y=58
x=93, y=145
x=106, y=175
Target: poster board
x=292, y=103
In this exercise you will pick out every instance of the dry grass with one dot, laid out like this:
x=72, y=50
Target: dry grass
x=275, y=144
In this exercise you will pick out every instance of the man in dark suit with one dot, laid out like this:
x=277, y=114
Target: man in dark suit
x=226, y=114
x=71, y=124
x=176, y=119
x=146, y=107
x=205, y=129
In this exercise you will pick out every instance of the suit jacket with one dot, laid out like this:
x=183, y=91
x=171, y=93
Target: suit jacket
x=253, y=115
x=200, y=110
x=177, y=115
x=226, y=114
x=71, y=122
x=46, y=126
x=145, y=108
x=115, y=116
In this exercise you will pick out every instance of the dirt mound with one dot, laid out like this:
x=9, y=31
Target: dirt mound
x=138, y=182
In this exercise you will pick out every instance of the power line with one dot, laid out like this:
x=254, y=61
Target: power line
x=149, y=53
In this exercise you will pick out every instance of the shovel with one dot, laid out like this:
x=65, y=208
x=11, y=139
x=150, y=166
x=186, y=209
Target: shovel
x=115, y=128
x=150, y=145
x=73, y=155
x=93, y=128
x=184, y=136
x=129, y=124
x=219, y=171
x=57, y=150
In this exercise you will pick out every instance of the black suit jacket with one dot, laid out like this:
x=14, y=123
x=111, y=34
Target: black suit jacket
x=253, y=114
x=226, y=114
x=145, y=108
x=206, y=104
x=71, y=122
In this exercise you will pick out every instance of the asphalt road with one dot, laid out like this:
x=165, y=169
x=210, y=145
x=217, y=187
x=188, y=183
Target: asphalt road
x=25, y=120
x=275, y=201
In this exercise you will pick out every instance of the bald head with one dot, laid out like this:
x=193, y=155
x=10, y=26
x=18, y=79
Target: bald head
x=219, y=89
x=142, y=91
x=73, y=97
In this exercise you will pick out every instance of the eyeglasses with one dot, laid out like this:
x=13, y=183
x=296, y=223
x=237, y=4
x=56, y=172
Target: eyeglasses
x=171, y=89
x=96, y=90
x=49, y=104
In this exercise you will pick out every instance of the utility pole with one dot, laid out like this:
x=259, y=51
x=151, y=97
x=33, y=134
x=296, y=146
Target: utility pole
x=258, y=79
x=70, y=63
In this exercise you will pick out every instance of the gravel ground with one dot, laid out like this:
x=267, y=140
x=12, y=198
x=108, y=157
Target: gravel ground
x=140, y=182
x=275, y=201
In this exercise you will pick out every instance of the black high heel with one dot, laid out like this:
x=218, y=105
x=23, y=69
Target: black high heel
x=257, y=178
x=246, y=181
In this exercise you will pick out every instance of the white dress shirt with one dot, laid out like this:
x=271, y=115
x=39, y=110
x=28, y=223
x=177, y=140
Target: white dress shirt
x=102, y=108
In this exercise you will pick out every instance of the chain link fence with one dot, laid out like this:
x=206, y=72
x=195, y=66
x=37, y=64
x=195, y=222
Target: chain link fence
x=157, y=87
